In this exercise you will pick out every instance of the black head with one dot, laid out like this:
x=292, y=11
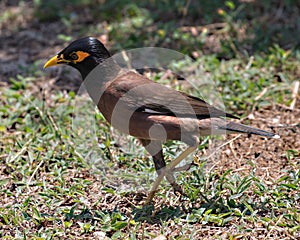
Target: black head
x=83, y=54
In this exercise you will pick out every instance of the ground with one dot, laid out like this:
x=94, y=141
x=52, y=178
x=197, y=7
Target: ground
x=60, y=182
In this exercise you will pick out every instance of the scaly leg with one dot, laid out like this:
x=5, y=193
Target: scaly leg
x=182, y=156
x=155, y=149
x=168, y=172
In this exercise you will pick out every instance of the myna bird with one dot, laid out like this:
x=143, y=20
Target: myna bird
x=152, y=112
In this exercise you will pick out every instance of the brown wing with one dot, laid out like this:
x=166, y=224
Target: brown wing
x=142, y=94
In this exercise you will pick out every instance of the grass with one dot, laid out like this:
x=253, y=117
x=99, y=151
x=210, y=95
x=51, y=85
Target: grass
x=63, y=180
x=56, y=181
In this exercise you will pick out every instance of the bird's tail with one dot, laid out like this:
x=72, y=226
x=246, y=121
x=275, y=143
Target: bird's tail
x=241, y=128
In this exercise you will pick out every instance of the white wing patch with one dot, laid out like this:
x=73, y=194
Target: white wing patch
x=147, y=110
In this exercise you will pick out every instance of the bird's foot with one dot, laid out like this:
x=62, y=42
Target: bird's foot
x=171, y=179
x=177, y=189
x=149, y=198
x=168, y=173
x=154, y=188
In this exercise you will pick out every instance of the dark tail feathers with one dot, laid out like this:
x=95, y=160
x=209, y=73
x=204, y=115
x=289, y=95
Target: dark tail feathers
x=238, y=127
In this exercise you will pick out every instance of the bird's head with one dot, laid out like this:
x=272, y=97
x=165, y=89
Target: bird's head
x=83, y=54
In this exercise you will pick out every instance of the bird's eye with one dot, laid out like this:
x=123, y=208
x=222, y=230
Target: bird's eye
x=74, y=56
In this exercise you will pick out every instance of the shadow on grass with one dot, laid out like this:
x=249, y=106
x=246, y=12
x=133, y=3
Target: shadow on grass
x=217, y=207
x=151, y=215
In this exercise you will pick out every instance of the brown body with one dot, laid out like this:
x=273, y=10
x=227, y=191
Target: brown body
x=113, y=105
x=147, y=110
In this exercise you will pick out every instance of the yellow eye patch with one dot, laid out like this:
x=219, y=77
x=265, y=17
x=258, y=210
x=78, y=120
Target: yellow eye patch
x=81, y=56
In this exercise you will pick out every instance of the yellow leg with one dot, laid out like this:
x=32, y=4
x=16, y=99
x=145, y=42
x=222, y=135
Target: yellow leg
x=182, y=156
x=155, y=186
x=166, y=170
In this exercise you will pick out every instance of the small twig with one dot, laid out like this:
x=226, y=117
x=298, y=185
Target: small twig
x=52, y=122
x=286, y=126
x=160, y=237
x=23, y=149
x=287, y=108
x=185, y=9
x=34, y=172
x=263, y=92
x=126, y=59
x=295, y=94
x=167, y=74
x=239, y=169
x=74, y=149
x=3, y=155
x=233, y=152
x=249, y=64
x=273, y=227
x=218, y=148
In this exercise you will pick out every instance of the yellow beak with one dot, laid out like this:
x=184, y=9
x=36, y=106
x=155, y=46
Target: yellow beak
x=51, y=62
x=55, y=61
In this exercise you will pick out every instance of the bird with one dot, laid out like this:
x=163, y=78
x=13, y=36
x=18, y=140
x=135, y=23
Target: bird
x=149, y=111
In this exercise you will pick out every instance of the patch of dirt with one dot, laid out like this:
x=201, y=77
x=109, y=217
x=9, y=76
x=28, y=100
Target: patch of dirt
x=26, y=43
x=267, y=157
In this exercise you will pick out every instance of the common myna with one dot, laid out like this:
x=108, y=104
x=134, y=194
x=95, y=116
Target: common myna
x=153, y=113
